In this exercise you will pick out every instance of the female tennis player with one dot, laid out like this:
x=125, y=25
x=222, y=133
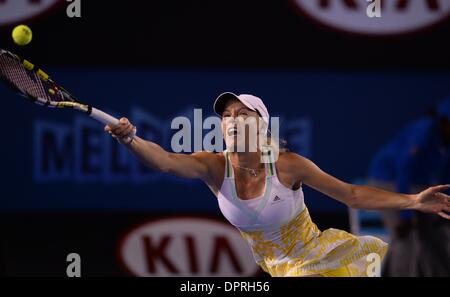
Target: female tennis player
x=264, y=200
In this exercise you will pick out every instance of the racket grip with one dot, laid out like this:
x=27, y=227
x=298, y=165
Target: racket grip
x=107, y=119
x=103, y=117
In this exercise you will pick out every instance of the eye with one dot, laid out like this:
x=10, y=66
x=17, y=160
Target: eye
x=226, y=115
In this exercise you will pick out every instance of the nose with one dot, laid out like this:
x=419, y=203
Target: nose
x=230, y=120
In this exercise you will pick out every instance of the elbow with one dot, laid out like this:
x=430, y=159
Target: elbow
x=165, y=164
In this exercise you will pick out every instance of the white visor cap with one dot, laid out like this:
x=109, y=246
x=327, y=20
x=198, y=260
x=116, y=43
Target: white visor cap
x=252, y=102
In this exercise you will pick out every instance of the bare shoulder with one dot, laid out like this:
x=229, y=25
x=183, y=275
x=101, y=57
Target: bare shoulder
x=290, y=160
x=293, y=164
x=215, y=162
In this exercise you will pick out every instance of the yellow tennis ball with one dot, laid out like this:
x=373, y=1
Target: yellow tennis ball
x=22, y=35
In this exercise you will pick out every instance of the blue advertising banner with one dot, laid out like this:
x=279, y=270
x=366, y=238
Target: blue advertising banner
x=61, y=160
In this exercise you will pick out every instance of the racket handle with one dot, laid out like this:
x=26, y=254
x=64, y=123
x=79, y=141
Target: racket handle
x=103, y=117
x=107, y=119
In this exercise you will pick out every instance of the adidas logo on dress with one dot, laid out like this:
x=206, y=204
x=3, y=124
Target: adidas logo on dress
x=276, y=199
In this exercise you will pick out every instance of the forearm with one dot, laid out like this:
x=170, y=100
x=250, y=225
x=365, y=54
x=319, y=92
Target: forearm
x=194, y=165
x=366, y=197
x=150, y=154
x=182, y=165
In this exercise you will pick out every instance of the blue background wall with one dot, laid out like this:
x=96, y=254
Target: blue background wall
x=336, y=118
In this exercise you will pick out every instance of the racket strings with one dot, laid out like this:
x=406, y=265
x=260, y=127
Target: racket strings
x=35, y=84
x=25, y=80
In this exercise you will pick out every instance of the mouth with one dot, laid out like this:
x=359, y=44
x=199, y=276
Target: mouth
x=232, y=131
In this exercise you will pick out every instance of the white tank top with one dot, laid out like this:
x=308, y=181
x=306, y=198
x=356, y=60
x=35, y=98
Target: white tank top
x=275, y=207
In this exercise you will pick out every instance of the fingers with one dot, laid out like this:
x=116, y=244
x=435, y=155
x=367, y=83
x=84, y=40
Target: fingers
x=121, y=130
x=126, y=132
x=445, y=199
x=444, y=215
x=123, y=124
x=122, y=121
x=439, y=188
x=442, y=196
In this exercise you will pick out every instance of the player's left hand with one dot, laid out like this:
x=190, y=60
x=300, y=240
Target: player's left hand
x=432, y=200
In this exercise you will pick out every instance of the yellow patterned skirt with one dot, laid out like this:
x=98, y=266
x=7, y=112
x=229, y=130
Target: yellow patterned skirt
x=299, y=248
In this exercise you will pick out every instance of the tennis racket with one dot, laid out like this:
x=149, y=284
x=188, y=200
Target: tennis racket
x=33, y=83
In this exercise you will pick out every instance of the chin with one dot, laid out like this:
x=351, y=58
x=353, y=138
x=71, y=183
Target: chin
x=233, y=145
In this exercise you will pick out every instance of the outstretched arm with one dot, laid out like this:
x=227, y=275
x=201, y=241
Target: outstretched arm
x=154, y=156
x=365, y=197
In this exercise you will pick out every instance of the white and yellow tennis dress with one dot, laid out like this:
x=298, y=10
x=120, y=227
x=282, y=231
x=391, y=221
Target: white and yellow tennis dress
x=282, y=237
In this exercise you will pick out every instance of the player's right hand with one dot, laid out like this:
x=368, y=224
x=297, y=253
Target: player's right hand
x=123, y=132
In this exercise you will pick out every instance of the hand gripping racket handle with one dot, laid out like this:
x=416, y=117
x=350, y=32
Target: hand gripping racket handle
x=107, y=119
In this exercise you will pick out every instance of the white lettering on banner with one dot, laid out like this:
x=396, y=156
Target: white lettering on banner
x=398, y=16
x=186, y=246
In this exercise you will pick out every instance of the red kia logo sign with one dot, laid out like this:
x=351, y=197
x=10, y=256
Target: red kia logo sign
x=397, y=16
x=16, y=11
x=186, y=246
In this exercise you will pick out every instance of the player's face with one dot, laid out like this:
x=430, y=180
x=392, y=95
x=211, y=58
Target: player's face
x=240, y=127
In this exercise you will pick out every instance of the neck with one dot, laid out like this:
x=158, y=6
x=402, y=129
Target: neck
x=247, y=160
